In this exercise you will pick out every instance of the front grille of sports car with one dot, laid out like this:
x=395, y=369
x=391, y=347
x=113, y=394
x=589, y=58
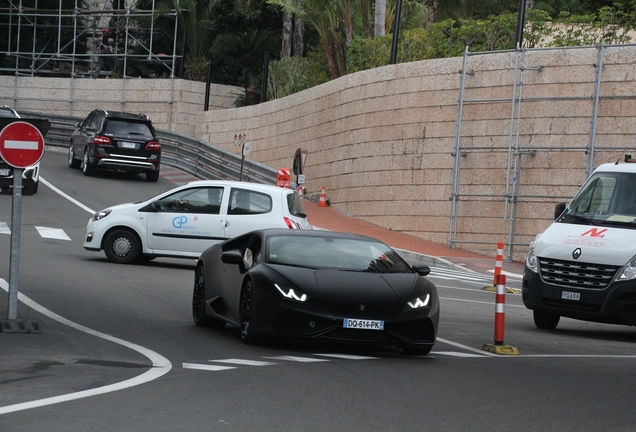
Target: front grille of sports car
x=575, y=274
x=293, y=323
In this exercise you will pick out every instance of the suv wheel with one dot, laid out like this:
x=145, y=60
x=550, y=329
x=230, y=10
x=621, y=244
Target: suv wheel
x=72, y=161
x=87, y=168
x=152, y=176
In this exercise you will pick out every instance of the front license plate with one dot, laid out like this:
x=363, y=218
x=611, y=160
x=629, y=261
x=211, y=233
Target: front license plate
x=4, y=172
x=126, y=144
x=570, y=295
x=363, y=324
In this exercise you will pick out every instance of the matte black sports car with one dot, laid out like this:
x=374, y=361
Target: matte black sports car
x=316, y=285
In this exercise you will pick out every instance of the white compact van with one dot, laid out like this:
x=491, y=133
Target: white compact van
x=583, y=266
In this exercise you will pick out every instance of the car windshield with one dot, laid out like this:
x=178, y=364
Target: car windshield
x=335, y=253
x=607, y=199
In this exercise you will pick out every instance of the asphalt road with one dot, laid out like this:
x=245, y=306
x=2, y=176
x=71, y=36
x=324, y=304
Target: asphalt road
x=119, y=351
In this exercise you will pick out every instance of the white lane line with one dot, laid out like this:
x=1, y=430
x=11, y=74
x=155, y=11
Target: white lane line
x=52, y=233
x=160, y=364
x=298, y=359
x=348, y=357
x=457, y=354
x=467, y=348
x=513, y=275
x=480, y=302
x=68, y=197
x=4, y=228
x=212, y=368
x=244, y=362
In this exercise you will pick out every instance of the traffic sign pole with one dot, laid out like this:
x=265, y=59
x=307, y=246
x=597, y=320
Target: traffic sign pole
x=14, y=263
x=21, y=145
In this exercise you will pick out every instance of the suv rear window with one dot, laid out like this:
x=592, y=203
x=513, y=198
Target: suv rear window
x=119, y=127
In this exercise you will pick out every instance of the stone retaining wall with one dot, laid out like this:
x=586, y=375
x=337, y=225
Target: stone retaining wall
x=383, y=141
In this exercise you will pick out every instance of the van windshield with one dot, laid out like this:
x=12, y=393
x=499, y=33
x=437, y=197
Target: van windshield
x=607, y=198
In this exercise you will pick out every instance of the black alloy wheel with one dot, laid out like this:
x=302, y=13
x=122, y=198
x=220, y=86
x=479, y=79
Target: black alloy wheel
x=122, y=246
x=247, y=308
x=200, y=317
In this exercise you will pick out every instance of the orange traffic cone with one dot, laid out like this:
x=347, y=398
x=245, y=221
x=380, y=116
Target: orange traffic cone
x=323, y=198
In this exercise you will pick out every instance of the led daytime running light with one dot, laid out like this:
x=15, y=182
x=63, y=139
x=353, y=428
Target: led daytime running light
x=291, y=294
x=419, y=303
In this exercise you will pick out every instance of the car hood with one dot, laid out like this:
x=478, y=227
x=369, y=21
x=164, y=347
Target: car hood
x=597, y=244
x=346, y=286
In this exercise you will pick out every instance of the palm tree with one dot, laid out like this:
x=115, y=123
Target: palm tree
x=194, y=17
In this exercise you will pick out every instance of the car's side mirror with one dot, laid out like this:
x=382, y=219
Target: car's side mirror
x=77, y=124
x=233, y=256
x=558, y=210
x=421, y=269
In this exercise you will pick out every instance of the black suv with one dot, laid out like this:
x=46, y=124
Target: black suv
x=30, y=175
x=115, y=141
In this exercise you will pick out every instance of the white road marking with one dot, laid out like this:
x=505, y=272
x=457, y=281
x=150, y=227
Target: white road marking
x=347, y=356
x=52, y=233
x=244, y=362
x=68, y=197
x=457, y=354
x=4, y=228
x=160, y=364
x=512, y=275
x=298, y=359
x=212, y=368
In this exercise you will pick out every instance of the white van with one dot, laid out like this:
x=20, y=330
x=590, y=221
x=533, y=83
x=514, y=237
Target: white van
x=583, y=266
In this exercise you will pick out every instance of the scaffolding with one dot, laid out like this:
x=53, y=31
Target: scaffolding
x=94, y=39
x=511, y=196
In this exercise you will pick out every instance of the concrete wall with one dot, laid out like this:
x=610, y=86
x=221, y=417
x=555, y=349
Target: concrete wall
x=383, y=141
x=171, y=104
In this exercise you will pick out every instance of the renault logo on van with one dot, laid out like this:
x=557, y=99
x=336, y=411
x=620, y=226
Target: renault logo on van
x=577, y=253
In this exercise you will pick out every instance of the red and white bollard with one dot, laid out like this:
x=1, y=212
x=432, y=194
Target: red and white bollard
x=499, y=261
x=500, y=305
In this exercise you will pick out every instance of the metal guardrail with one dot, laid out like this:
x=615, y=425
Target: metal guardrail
x=198, y=158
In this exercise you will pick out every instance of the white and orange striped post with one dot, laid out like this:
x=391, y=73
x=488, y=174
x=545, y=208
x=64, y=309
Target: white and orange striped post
x=500, y=306
x=499, y=261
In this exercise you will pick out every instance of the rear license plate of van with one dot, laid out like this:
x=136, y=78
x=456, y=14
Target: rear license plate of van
x=567, y=295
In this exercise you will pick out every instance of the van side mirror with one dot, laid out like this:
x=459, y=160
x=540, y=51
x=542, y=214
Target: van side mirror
x=558, y=210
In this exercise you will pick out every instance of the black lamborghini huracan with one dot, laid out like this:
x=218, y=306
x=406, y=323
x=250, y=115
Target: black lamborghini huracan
x=316, y=285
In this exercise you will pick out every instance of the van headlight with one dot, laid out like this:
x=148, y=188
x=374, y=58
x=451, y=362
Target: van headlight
x=531, y=260
x=628, y=272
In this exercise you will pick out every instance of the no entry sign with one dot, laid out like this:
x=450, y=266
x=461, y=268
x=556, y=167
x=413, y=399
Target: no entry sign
x=21, y=144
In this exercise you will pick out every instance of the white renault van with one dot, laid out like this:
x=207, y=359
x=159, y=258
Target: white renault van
x=583, y=266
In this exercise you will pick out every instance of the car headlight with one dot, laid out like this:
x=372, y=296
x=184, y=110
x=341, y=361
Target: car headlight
x=420, y=302
x=291, y=294
x=628, y=272
x=531, y=259
x=101, y=214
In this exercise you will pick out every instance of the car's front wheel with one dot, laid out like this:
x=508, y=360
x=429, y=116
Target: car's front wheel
x=545, y=321
x=72, y=161
x=87, y=168
x=122, y=246
x=248, y=336
x=200, y=317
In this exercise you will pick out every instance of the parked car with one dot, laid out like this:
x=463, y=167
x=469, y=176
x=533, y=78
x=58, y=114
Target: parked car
x=30, y=175
x=316, y=285
x=185, y=221
x=115, y=141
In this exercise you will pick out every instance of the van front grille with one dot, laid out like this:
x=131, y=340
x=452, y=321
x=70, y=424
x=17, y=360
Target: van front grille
x=575, y=274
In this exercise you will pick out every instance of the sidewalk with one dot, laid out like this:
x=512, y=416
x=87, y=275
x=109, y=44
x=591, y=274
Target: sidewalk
x=413, y=248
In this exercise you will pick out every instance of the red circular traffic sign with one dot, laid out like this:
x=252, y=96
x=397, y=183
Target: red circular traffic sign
x=21, y=144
